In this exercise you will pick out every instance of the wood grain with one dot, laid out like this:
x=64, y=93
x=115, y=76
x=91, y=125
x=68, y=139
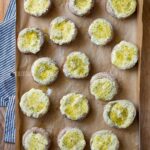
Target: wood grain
x=3, y=146
x=145, y=80
x=1, y=10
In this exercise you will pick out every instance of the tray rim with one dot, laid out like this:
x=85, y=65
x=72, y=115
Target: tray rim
x=139, y=13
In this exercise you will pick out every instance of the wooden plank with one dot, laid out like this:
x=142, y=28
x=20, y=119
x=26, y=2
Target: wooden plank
x=145, y=80
x=1, y=9
x=3, y=146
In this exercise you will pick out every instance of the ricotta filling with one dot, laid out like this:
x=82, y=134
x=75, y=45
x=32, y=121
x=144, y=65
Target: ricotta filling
x=72, y=139
x=123, y=6
x=36, y=7
x=46, y=71
x=62, y=31
x=82, y=5
x=77, y=65
x=30, y=41
x=100, y=31
x=103, y=89
x=102, y=142
x=118, y=114
x=35, y=141
x=74, y=106
x=124, y=56
x=34, y=103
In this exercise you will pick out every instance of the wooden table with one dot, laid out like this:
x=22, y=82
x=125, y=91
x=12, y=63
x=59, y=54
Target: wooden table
x=145, y=83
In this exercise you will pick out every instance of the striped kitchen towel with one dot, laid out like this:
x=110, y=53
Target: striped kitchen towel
x=7, y=66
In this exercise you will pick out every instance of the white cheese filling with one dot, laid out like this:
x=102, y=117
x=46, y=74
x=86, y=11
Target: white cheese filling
x=77, y=65
x=30, y=40
x=124, y=55
x=120, y=113
x=80, y=7
x=104, y=140
x=122, y=8
x=35, y=141
x=44, y=71
x=34, y=103
x=103, y=89
x=100, y=31
x=72, y=139
x=74, y=106
x=37, y=7
x=62, y=31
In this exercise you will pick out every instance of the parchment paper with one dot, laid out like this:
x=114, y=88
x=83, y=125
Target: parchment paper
x=129, y=29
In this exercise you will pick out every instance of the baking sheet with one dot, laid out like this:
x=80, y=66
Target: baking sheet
x=129, y=29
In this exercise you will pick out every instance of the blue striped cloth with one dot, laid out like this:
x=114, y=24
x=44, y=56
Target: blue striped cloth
x=7, y=66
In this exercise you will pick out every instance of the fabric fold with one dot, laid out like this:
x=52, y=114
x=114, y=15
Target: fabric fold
x=7, y=66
